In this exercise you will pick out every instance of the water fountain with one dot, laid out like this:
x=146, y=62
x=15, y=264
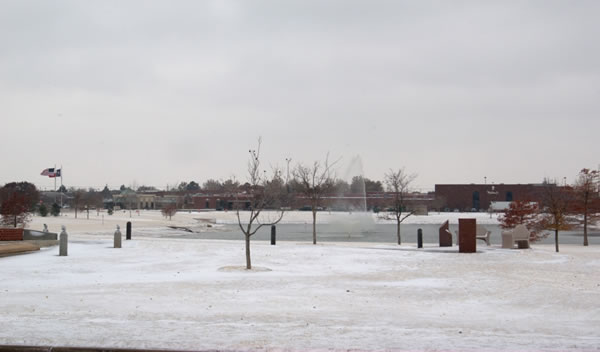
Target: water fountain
x=351, y=216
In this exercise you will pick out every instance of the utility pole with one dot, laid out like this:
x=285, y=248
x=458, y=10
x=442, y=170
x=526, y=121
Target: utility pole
x=287, y=180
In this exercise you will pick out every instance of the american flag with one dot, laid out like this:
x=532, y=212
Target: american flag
x=51, y=172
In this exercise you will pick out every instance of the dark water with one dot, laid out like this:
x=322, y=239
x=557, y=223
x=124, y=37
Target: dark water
x=374, y=233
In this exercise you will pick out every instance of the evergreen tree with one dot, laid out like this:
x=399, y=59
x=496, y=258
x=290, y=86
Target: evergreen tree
x=43, y=210
x=55, y=210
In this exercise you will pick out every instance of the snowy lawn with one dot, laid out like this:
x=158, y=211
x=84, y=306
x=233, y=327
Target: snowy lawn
x=169, y=293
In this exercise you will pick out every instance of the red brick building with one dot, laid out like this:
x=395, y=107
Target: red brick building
x=479, y=196
x=345, y=202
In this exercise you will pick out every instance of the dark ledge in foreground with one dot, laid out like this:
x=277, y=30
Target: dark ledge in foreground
x=18, y=348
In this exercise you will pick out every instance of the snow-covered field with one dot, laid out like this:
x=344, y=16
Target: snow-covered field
x=170, y=293
x=174, y=293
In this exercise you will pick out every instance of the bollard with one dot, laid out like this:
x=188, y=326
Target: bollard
x=419, y=238
x=117, y=242
x=273, y=234
x=128, y=233
x=63, y=242
x=45, y=228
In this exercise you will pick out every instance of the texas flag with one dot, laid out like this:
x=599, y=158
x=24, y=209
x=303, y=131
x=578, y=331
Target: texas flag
x=51, y=172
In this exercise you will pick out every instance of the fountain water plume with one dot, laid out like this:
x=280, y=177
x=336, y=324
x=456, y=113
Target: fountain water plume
x=354, y=217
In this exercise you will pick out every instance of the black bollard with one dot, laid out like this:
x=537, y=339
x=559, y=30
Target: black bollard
x=419, y=238
x=273, y=234
x=128, y=235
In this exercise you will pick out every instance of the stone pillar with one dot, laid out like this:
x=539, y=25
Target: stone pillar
x=420, y=238
x=117, y=241
x=467, y=231
x=273, y=234
x=63, y=242
x=128, y=234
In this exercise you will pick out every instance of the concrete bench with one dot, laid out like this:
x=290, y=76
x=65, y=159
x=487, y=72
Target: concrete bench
x=519, y=235
x=481, y=234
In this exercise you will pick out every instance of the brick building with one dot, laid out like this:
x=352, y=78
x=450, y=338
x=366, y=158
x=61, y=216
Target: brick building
x=479, y=196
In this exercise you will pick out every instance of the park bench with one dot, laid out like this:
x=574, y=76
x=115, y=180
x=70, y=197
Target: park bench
x=481, y=234
x=519, y=235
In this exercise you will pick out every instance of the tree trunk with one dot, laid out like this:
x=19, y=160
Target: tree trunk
x=556, y=239
x=398, y=232
x=314, y=225
x=248, y=262
x=585, y=221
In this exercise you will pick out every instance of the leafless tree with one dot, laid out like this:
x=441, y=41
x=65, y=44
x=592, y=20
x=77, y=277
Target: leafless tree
x=399, y=183
x=557, y=202
x=169, y=210
x=587, y=200
x=261, y=194
x=314, y=182
x=92, y=199
x=78, y=195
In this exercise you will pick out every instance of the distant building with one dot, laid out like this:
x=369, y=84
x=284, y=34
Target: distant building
x=129, y=199
x=478, y=197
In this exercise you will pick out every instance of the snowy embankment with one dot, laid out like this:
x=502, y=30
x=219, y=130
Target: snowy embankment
x=169, y=293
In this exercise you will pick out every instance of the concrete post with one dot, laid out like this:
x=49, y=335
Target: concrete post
x=63, y=242
x=420, y=238
x=128, y=233
x=273, y=234
x=117, y=241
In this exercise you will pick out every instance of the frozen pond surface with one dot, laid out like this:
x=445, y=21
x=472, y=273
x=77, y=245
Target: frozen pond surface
x=384, y=233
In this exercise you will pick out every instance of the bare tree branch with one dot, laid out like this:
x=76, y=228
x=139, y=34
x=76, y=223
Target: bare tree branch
x=399, y=183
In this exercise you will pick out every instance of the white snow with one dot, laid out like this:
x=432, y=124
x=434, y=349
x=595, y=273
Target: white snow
x=170, y=293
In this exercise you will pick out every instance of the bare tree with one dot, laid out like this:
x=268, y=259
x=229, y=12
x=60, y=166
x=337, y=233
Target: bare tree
x=587, y=202
x=261, y=194
x=556, y=203
x=92, y=199
x=169, y=210
x=314, y=182
x=78, y=195
x=399, y=183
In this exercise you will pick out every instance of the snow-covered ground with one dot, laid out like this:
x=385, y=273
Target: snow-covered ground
x=170, y=293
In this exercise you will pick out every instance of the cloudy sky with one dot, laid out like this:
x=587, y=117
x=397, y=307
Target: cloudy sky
x=157, y=92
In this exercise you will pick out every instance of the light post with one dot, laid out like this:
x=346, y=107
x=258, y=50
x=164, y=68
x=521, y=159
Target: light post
x=287, y=180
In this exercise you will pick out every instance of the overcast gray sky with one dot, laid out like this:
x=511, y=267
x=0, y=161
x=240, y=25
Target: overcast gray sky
x=158, y=92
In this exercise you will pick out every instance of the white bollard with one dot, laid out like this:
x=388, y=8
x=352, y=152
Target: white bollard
x=63, y=242
x=117, y=242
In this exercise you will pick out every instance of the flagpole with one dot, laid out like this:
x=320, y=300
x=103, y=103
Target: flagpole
x=61, y=186
x=55, y=184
